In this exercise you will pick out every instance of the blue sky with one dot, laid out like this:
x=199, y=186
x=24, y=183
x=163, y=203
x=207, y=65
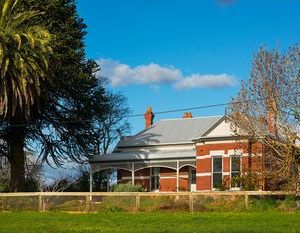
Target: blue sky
x=172, y=54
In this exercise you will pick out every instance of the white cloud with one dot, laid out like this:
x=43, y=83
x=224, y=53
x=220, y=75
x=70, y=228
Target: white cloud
x=121, y=74
x=207, y=80
x=154, y=74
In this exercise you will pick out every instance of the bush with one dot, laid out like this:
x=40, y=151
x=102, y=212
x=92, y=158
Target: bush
x=4, y=187
x=128, y=187
x=278, y=203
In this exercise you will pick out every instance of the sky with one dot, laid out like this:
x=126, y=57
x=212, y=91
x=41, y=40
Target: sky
x=174, y=54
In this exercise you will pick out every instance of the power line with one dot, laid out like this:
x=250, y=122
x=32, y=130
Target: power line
x=134, y=115
x=183, y=109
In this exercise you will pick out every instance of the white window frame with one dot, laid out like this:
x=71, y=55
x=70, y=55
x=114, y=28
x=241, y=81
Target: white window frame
x=212, y=170
x=154, y=190
x=192, y=186
x=230, y=161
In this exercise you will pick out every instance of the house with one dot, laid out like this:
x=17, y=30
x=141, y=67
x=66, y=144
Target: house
x=186, y=154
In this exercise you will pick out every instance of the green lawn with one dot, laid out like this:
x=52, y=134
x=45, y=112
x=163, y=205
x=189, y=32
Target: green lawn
x=29, y=222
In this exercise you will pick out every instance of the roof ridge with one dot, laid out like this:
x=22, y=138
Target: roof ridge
x=193, y=118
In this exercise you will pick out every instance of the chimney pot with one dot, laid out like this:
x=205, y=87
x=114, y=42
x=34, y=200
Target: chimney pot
x=187, y=115
x=149, y=116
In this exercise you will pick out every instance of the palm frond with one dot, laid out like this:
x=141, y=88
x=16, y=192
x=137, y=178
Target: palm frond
x=24, y=54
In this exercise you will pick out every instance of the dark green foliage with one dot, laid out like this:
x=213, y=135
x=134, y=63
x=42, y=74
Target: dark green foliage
x=265, y=203
x=73, y=100
x=4, y=185
x=128, y=187
x=75, y=94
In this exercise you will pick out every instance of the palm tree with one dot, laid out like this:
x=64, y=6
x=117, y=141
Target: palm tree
x=24, y=52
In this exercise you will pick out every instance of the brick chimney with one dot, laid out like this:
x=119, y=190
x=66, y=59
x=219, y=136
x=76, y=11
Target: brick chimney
x=149, y=116
x=187, y=115
x=272, y=116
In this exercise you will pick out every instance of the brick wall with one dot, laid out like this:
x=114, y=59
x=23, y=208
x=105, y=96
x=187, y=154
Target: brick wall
x=167, y=178
x=204, y=155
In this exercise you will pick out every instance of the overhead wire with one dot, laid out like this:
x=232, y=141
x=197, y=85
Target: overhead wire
x=135, y=115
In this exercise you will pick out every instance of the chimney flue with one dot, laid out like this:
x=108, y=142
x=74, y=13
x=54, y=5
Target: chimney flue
x=272, y=116
x=187, y=115
x=149, y=116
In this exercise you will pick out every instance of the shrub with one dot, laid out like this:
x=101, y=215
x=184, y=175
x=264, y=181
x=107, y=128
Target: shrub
x=288, y=204
x=128, y=187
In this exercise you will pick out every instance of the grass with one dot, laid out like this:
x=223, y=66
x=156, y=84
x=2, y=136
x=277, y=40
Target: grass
x=58, y=222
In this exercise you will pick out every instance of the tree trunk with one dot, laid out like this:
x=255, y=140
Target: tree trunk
x=16, y=139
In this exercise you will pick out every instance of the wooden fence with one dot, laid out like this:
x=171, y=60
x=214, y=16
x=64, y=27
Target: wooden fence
x=137, y=195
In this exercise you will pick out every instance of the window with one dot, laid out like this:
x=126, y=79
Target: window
x=217, y=172
x=192, y=175
x=192, y=179
x=155, y=178
x=235, y=165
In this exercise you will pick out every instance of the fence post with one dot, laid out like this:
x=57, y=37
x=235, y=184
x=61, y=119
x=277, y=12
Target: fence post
x=40, y=202
x=44, y=202
x=137, y=202
x=88, y=198
x=191, y=203
x=247, y=201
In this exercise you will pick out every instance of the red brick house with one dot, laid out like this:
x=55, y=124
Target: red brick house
x=186, y=154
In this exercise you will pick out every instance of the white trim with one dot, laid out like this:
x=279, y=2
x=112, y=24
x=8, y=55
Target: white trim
x=132, y=173
x=97, y=168
x=154, y=166
x=203, y=157
x=177, y=176
x=166, y=160
x=220, y=141
x=235, y=152
x=187, y=165
x=203, y=174
x=138, y=161
x=226, y=173
x=212, y=170
x=168, y=177
x=136, y=177
x=252, y=155
x=230, y=168
x=217, y=152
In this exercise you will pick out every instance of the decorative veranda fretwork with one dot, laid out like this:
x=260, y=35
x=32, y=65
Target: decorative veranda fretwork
x=135, y=166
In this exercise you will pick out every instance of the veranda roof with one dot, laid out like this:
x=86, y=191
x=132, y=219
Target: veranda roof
x=139, y=160
x=144, y=156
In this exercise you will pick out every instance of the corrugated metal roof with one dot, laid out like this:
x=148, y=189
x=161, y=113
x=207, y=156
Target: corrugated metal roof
x=143, y=155
x=171, y=131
